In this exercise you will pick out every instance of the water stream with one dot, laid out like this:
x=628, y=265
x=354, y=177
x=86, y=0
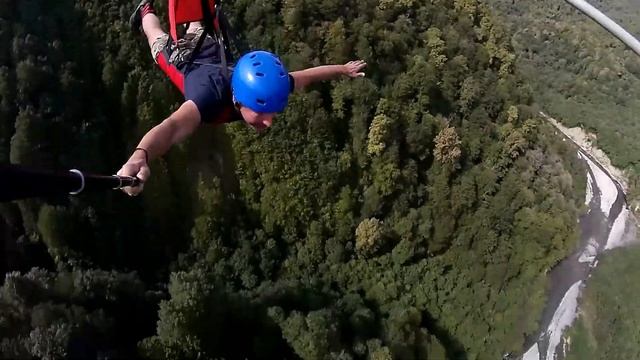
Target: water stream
x=607, y=224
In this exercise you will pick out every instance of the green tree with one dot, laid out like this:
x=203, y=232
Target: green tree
x=447, y=146
x=370, y=237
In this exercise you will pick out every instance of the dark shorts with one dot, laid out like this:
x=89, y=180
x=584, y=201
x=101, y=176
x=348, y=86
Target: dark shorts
x=200, y=77
x=172, y=58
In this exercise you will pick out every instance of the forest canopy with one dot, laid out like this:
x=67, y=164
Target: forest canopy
x=410, y=214
x=580, y=73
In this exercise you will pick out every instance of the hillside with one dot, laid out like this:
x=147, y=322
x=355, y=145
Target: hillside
x=410, y=214
x=586, y=77
x=579, y=73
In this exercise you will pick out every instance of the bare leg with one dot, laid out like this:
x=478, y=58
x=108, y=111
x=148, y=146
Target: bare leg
x=151, y=27
x=193, y=27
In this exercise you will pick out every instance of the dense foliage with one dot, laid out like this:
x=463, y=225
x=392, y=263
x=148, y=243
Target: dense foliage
x=607, y=327
x=410, y=214
x=581, y=74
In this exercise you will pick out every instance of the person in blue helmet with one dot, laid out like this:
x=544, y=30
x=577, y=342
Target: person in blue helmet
x=257, y=90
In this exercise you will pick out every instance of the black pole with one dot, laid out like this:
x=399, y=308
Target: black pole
x=19, y=182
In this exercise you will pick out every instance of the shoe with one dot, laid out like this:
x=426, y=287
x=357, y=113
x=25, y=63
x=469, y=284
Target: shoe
x=135, y=21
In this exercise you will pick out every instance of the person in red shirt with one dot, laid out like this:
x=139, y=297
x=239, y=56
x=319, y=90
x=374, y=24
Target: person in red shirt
x=256, y=91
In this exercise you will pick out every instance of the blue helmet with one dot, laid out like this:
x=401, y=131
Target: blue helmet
x=260, y=82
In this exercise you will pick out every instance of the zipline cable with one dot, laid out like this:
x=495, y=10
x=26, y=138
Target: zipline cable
x=610, y=25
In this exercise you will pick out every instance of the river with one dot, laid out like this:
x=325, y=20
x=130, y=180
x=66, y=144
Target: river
x=607, y=224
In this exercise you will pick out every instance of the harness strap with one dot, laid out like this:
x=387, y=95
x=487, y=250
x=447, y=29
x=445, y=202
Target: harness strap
x=211, y=29
x=220, y=38
x=229, y=34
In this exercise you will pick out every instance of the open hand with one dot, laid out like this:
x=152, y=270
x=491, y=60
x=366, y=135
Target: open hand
x=353, y=69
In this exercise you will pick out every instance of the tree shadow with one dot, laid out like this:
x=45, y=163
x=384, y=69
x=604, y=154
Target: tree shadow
x=211, y=154
x=235, y=326
x=17, y=252
x=453, y=348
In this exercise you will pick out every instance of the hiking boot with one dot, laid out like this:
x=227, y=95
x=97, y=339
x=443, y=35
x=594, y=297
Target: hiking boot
x=135, y=21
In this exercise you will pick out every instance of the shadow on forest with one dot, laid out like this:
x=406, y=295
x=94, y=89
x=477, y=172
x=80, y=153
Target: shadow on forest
x=454, y=349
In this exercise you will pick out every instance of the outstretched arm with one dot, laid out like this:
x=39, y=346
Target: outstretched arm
x=157, y=141
x=305, y=77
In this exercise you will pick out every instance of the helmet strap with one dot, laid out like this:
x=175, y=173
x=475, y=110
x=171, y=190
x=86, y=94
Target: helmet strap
x=236, y=103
